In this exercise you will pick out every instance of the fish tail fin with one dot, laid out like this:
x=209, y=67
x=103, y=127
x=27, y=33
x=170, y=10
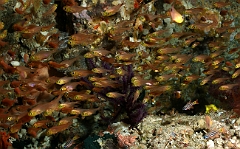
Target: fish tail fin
x=196, y=102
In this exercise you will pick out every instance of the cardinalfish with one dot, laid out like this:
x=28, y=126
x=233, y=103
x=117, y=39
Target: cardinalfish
x=67, y=105
x=191, y=78
x=114, y=95
x=45, y=106
x=81, y=73
x=82, y=39
x=155, y=90
x=100, y=52
x=53, y=105
x=125, y=56
x=97, y=53
x=111, y=11
x=32, y=29
x=55, y=129
x=15, y=128
x=42, y=55
x=75, y=9
x=162, y=57
x=138, y=81
x=236, y=73
x=131, y=45
x=66, y=120
x=219, y=80
x=41, y=123
x=100, y=70
x=201, y=58
x=84, y=112
x=73, y=94
x=182, y=58
x=190, y=105
x=94, y=78
x=82, y=97
x=215, y=54
x=176, y=16
x=206, y=80
x=68, y=87
x=38, y=109
x=64, y=80
x=227, y=87
x=80, y=42
x=168, y=50
x=63, y=64
x=106, y=83
x=50, y=11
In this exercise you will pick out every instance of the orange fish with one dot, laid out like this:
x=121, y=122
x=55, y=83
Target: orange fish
x=227, y=87
x=50, y=11
x=63, y=64
x=109, y=11
x=74, y=9
x=15, y=128
x=55, y=129
x=41, y=123
x=176, y=16
x=114, y=95
x=42, y=55
x=66, y=120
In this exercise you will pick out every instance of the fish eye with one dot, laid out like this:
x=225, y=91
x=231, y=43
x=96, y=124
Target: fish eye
x=30, y=114
x=33, y=57
x=63, y=89
x=76, y=97
x=10, y=118
x=139, y=68
x=65, y=8
x=49, y=133
x=117, y=57
x=47, y=113
x=70, y=42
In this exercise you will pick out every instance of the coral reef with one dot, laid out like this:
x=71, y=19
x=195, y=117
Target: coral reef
x=76, y=67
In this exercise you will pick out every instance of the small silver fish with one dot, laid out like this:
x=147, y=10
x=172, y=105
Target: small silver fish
x=190, y=105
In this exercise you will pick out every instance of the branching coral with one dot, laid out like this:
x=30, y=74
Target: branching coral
x=120, y=92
